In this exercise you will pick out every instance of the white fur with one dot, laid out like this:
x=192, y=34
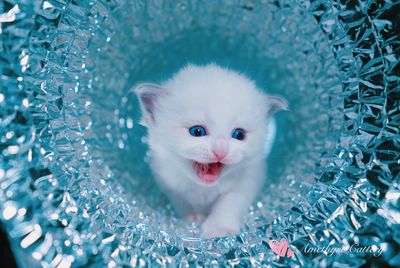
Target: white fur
x=221, y=100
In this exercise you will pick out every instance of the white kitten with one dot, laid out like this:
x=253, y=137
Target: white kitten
x=207, y=128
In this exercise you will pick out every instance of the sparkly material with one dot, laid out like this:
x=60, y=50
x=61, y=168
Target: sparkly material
x=75, y=187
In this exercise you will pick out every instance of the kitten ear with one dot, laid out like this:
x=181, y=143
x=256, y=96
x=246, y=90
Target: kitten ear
x=276, y=103
x=148, y=95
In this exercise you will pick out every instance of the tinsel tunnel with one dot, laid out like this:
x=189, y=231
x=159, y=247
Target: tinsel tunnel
x=76, y=189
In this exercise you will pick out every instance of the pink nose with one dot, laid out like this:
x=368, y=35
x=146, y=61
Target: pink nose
x=220, y=148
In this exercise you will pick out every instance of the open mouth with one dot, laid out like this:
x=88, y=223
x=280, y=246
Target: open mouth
x=208, y=173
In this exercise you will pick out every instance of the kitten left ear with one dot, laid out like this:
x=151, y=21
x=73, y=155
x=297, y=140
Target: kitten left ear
x=148, y=95
x=276, y=103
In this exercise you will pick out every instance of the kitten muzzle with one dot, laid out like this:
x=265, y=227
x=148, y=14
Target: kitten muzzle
x=208, y=173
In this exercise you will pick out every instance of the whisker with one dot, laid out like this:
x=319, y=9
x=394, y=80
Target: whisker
x=235, y=168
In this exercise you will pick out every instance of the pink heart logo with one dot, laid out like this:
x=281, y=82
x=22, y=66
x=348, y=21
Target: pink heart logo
x=280, y=248
x=289, y=253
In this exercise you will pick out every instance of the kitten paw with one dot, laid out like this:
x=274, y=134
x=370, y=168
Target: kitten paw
x=213, y=228
x=195, y=217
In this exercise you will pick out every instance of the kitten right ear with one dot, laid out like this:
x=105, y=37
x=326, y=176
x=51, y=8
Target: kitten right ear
x=276, y=103
x=148, y=95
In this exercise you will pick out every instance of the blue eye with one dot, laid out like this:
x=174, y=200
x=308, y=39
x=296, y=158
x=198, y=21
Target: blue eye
x=238, y=134
x=197, y=131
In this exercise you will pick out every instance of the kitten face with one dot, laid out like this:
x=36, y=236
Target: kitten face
x=202, y=137
x=207, y=121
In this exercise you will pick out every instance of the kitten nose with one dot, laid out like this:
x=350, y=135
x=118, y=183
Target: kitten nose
x=220, y=148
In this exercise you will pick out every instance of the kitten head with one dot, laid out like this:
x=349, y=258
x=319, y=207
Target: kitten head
x=206, y=121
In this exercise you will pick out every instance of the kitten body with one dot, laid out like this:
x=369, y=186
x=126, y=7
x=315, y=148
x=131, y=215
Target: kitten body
x=209, y=132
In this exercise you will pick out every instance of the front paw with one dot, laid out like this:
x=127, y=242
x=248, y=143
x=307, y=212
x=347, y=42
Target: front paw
x=195, y=217
x=213, y=228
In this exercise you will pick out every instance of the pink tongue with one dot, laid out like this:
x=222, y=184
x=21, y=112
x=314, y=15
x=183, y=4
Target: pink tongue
x=208, y=173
